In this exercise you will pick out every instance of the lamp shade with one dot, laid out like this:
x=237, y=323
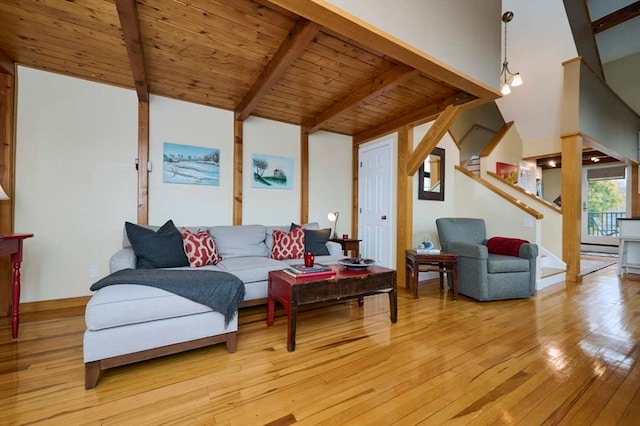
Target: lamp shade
x=516, y=80
x=333, y=217
x=3, y=195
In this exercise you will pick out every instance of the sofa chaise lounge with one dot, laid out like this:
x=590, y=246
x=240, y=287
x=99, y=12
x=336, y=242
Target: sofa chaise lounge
x=128, y=323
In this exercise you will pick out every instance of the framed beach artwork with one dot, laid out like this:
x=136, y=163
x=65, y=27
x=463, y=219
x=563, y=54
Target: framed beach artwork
x=189, y=164
x=272, y=172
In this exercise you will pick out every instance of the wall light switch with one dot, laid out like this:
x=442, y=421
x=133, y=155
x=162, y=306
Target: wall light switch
x=528, y=222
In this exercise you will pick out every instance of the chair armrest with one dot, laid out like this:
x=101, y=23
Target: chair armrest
x=123, y=259
x=335, y=249
x=477, y=251
x=528, y=251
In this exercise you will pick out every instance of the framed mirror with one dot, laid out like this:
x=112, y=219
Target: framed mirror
x=431, y=176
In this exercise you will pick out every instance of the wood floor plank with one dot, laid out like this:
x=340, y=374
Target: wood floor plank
x=570, y=355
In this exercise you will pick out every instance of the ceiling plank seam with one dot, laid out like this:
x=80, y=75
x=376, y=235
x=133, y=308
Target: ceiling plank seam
x=378, y=86
x=422, y=115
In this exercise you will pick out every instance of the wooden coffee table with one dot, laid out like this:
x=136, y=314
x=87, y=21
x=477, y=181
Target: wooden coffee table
x=346, y=284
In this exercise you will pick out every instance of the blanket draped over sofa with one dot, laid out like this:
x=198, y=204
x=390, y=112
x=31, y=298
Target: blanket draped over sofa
x=221, y=291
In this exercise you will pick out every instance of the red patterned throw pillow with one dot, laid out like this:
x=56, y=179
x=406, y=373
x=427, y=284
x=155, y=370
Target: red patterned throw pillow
x=288, y=245
x=200, y=248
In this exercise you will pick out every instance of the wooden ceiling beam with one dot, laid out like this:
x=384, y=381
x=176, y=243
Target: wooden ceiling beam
x=335, y=19
x=377, y=86
x=615, y=18
x=302, y=33
x=427, y=113
x=7, y=65
x=130, y=24
x=441, y=126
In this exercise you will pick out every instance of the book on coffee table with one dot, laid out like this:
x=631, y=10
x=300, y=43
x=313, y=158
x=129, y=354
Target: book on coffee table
x=289, y=271
x=301, y=269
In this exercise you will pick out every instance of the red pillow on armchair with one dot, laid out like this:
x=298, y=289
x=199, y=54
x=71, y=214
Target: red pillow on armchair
x=505, y=246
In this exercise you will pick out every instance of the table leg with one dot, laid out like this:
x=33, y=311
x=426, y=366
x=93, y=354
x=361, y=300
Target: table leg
x=15, y=309
x=441, y=267
x=407, y=275
x=393, y=305
x=291, y=327
x=416, y=278
x=271, y=307
x=360, y=301
x=454, y=268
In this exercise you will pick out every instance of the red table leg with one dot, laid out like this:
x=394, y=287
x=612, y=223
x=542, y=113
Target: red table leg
x=15, y=308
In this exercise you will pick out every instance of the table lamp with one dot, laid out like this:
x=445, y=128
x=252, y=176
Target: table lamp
x=333, y=217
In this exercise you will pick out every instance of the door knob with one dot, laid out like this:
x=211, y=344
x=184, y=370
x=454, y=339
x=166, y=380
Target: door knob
x=384, y=217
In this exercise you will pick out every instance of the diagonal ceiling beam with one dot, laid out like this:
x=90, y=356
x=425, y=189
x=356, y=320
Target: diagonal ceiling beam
x=616, y=18
x=7, y=65
x=379, y=85
x=128, y=14
x=302, y=33
x=441, y=126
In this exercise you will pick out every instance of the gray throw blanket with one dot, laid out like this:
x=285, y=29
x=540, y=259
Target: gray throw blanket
x=221, y=291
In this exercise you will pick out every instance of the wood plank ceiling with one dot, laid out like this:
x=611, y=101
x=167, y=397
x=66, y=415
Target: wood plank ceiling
x=286, y=60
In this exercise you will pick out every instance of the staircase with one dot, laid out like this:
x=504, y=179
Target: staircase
x=552, y=269
x=473, y=165
x=478, y=132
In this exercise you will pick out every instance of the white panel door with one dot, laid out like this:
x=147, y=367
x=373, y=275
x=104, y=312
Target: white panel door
x=374, y=202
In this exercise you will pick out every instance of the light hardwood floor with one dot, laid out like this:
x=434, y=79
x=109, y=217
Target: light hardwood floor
x=567, y=356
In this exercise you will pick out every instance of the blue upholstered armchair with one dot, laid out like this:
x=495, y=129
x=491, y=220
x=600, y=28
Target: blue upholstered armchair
x=483, y=275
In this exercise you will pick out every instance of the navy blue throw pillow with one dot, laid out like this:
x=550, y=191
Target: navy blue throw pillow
x=315, y=240
x=157, y=249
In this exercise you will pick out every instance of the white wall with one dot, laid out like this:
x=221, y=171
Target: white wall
x=329, y=176
x=539, y=40
x=552, y=184
x=622, y=76
x=463, y=34
x=501, y=217
x=185, y=123
x=509, y=151
x=330, y=179
x=75, y=179
x=425, y=212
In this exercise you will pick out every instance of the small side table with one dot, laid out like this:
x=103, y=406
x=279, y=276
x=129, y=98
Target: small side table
x=11, y=245
x=349, y=245
x=432, y=262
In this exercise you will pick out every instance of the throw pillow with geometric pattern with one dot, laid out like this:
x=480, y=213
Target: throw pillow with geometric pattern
x=200, y=248
x=288, y=245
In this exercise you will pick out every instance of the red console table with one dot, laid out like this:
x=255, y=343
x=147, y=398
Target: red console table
x=11, y=244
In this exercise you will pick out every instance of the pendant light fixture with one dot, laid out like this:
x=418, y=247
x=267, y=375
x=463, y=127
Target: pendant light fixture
x=508, y=79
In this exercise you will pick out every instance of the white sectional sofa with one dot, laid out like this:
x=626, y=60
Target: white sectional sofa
x=245, y=251
x=128, y=323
